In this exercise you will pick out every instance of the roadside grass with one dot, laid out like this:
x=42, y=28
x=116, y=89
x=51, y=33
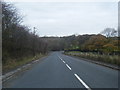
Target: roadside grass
x=110, y=59
x=14, y=63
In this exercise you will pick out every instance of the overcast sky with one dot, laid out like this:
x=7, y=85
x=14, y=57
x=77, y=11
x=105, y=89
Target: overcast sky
x=67, y=18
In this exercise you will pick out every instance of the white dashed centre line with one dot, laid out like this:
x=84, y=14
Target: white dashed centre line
x=80, y=80
x=60, y=58
x=84, y=84
x=68, y=66
x=63, y=61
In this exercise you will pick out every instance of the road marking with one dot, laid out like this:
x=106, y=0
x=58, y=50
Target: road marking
x=81, y=81
x=60, y=58
x=84, y=84
x=63, y=61
x=68, y=66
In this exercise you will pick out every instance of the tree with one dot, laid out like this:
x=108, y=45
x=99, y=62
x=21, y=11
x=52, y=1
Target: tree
x=109, y=48
x=109, y=32
x=17, y=40
x=95, y=43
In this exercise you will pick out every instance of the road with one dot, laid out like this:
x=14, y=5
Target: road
x=62, y=71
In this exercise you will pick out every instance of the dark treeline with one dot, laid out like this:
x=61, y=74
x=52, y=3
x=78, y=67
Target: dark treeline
x=17, y=40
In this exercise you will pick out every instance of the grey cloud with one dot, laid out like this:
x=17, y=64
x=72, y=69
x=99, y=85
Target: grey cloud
x=69, y=18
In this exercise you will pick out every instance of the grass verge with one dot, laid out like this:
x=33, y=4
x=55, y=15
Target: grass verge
x=12, y=64
x=110, y=59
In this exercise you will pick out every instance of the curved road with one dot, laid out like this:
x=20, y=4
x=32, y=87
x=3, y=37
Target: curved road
x=62, y=71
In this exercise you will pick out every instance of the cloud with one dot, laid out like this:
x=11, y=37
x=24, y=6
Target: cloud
x=62, y=0
x=68, y=18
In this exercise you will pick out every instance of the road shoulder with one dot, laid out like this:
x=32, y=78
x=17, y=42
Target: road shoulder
x=22, y=68
x=97, y=62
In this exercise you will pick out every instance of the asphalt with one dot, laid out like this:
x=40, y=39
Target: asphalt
x=62, y=71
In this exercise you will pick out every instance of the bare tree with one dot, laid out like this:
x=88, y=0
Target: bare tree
x=109, y=32
x=17, y=41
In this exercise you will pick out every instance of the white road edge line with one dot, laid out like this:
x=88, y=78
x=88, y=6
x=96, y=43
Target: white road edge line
x=84, y=84
x=68, y=66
